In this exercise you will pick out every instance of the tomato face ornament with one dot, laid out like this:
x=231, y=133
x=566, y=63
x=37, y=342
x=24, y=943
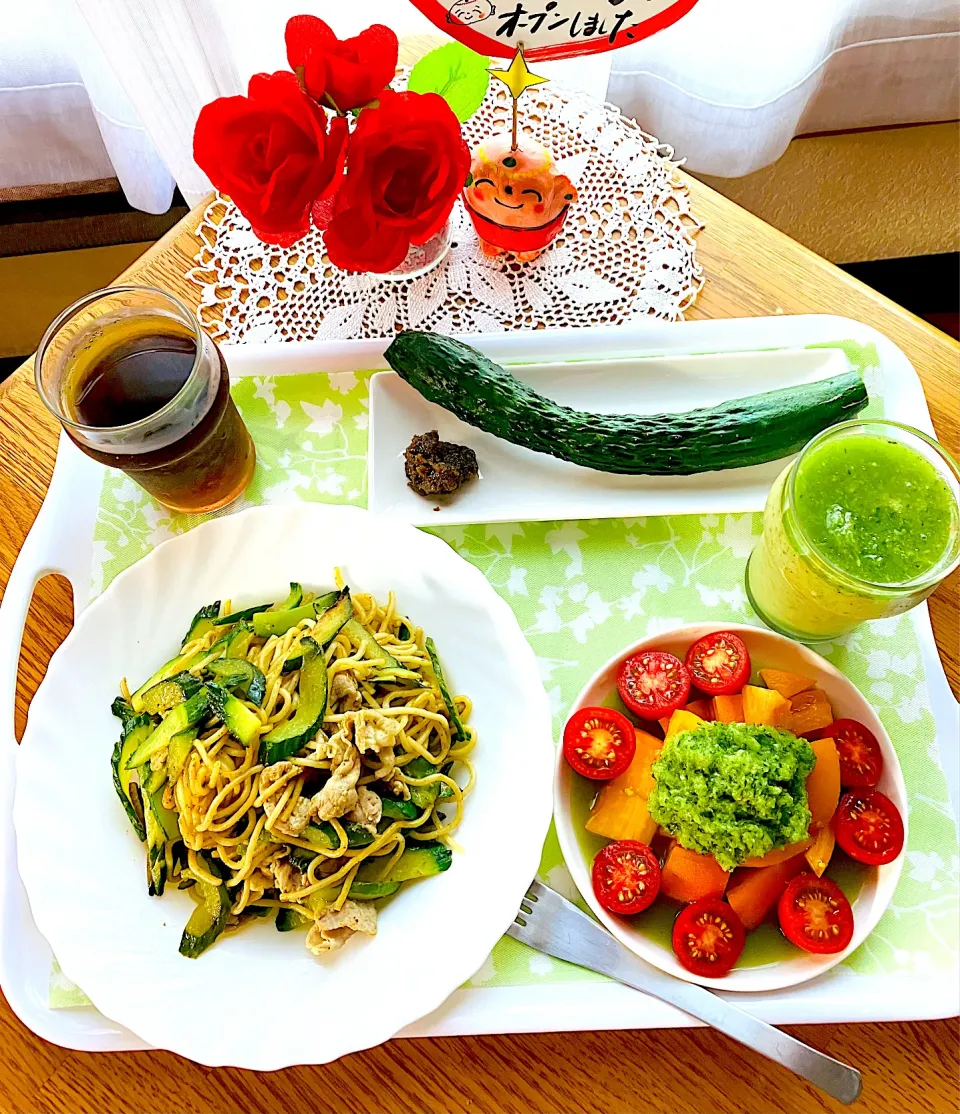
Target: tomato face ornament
x=517, y=199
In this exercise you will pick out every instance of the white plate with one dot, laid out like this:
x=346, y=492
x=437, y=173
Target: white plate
x=258, y=999
x=517, y=484
x=767, y=651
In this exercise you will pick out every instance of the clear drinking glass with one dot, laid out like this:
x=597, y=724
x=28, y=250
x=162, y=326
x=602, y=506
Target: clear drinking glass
x=138, y=385
x=795, y=579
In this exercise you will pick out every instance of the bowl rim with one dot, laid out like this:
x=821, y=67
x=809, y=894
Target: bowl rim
x=746, y=979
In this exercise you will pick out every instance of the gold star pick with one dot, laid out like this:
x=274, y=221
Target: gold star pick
x=518, y=78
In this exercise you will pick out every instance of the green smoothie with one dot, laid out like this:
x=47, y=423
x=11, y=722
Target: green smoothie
x=864, y=524
x=875, y=508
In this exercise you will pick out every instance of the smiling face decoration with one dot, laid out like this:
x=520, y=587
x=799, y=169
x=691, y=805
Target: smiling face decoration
x=517, y=200
x=467, y=12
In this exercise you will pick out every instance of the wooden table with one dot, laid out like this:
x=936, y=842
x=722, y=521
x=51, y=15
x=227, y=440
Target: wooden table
x=751, y=270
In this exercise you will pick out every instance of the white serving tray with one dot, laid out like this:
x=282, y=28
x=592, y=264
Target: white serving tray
x=61, y=541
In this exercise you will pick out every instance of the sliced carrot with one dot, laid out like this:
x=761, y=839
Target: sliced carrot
x=787, y=684
x=778, y=855
x=688, y=876
x=703, y=709
x=621, y=809
x=753, y=893
x=728, y=709
x=818, y=855
x=823, y=782
x=809, y=711
x=681, y=720
x=763, y=706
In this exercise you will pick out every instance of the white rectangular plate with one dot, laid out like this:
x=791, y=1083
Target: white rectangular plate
x=517, y=484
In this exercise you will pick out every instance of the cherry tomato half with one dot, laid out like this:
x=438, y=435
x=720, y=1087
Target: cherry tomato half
x=861, y=760
x=815, y=914
x=708, y=937
x=868, y=827
x=626, y=877
x=599, y=742
x=653, y=684
x=719, y=663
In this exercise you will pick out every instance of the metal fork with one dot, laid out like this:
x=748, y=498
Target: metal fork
x=551, y=924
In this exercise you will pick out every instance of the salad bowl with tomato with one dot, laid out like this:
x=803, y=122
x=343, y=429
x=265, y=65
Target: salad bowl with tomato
x=713, y=897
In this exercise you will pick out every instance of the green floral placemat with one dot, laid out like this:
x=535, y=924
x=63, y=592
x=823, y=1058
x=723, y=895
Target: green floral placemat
x=581, y=591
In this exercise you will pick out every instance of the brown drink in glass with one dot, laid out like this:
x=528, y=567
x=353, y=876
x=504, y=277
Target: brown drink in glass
x=138, y=385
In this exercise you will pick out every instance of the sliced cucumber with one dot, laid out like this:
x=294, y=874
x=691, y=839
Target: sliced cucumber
x=359, y=891
x=395, y=809
x=124, y=712
x=239, y=641
x=301, y=858
x=295, y=733
x=209, y=919
x=330, y=618
x=238, y=673
x=370, y=648
x=136, y=731
x=242, y=616
x=324, y=837
x=242, y=724
x=152, y=780
x=294, y=599
x=459, y=733
x=179, y=719
x=179, y=665
x=268, y=623
x=157, y=701
x=258, y=912
x=179, y=751
x=418, y=862
x=161, y=826
x=371, y=891
x=422, y=796
x=291, y=918
x=202, y=623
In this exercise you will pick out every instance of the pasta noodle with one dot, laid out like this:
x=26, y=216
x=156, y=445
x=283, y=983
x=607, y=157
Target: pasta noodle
x=310, y=834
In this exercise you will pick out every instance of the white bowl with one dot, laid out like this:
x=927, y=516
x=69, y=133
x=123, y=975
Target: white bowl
x=767, y=651
x=258, y=999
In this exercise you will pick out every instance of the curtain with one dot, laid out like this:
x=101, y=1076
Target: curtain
x=728, y=86
x=164, y=59
x=731, y=84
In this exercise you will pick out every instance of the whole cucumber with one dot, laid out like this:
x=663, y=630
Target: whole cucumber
x=744, y=431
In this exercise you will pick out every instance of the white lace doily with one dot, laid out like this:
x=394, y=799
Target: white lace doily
x=626, y=252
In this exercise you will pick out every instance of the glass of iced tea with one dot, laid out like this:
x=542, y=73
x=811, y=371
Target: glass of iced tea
x=138, y=385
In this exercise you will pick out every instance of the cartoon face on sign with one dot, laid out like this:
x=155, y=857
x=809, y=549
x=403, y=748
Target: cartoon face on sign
x=467, y=12
x=551, y=28
x=517, y=200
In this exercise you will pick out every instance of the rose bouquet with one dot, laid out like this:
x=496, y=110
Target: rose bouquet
x=329, y=144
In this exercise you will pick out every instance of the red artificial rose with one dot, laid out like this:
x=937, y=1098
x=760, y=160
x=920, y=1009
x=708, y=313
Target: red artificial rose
x=271, y=153
x=406, y=165
x=341, y=73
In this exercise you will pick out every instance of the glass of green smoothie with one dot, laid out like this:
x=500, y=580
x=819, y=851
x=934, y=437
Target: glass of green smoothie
x=865, y=523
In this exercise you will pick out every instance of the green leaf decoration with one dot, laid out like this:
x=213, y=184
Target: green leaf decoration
x=457, y=73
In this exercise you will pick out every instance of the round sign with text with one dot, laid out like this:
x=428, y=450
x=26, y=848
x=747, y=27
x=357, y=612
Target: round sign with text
x=548, y=29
